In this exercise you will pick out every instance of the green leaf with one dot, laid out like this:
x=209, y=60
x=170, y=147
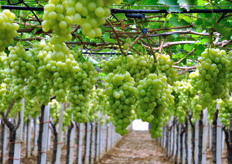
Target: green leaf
x=187, y=48
x=171, y=4
x=185, y=4
x=176, y=22
x=203, y=41
x=199, y=49
x=201, y=2
x=223, y=30
x=146, y=2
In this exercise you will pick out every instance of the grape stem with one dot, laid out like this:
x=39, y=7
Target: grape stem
x=160, y=48
x=176, y=63
x=119, y=44
x=133, y=43
x=185, y=69
x=132, y=48
x=150, y=46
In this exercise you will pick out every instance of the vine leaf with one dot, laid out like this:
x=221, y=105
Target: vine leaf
x=188, y=47
x=185, y=4
x=172, y=4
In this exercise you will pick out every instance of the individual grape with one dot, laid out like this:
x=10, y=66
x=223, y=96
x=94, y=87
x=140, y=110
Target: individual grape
x=8, y=29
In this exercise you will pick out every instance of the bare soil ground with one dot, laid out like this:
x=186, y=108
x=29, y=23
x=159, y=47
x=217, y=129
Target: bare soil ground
x=136, y=147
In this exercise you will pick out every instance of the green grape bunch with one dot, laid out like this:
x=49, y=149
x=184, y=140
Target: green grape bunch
x=57, y=19
x=138, y=66
x=80, y=88
x=154, y=97
x=212, y=81
x=3, y=69
x=8, y=29
x=229, y=71
x=21, y=66
x=89, y=14
x=225, y=110
x=182, y=90
x=121, y=95
x=164, y=65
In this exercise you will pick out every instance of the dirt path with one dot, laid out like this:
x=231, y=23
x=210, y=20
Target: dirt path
x=136, y=148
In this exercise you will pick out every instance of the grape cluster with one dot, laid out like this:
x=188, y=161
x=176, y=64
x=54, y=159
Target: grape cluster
x=97, y=103
x=8, y=29
x=114, y=64
x=164, y=65
x=57, y=65
x=154, y=97
x=120, y=93
x=40, y=84
x=229, y=71
x=89, y=14
x=81, y=86
x=31, y=109
x=6, y=98
x=183, y=94
x=225, y=110
x=161, y=114
x=57, y=19
x=21, y=67
x=55, y=113
x=195, y=107
x=138, y=66
x=212, y=75
x=3, y=68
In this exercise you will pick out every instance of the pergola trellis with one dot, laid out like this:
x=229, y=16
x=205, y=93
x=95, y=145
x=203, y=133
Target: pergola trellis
x=119, y=34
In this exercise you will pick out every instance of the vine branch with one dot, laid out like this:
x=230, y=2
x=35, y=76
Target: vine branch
x=119, y=44
x=185, y=57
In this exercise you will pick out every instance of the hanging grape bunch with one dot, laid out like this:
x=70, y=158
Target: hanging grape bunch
x=90, y=14
x=225, y=110
x=57, y=19
x=120, y=93
x=212, y=75
x=3, y=68
x=164, y=65
x=81, y=87
x=154, y=96
x=8, y=29
x=21, y=67
x=229, y=71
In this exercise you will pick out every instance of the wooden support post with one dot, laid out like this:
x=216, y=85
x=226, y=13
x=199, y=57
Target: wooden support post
x=29, y=136
x=81, y=129
x=219, y=143
x=205, y=136
x=60, y=129
x=87, y=148
x=196, y=141
x=18, y=139
x=93, y=140
x=45, y=134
